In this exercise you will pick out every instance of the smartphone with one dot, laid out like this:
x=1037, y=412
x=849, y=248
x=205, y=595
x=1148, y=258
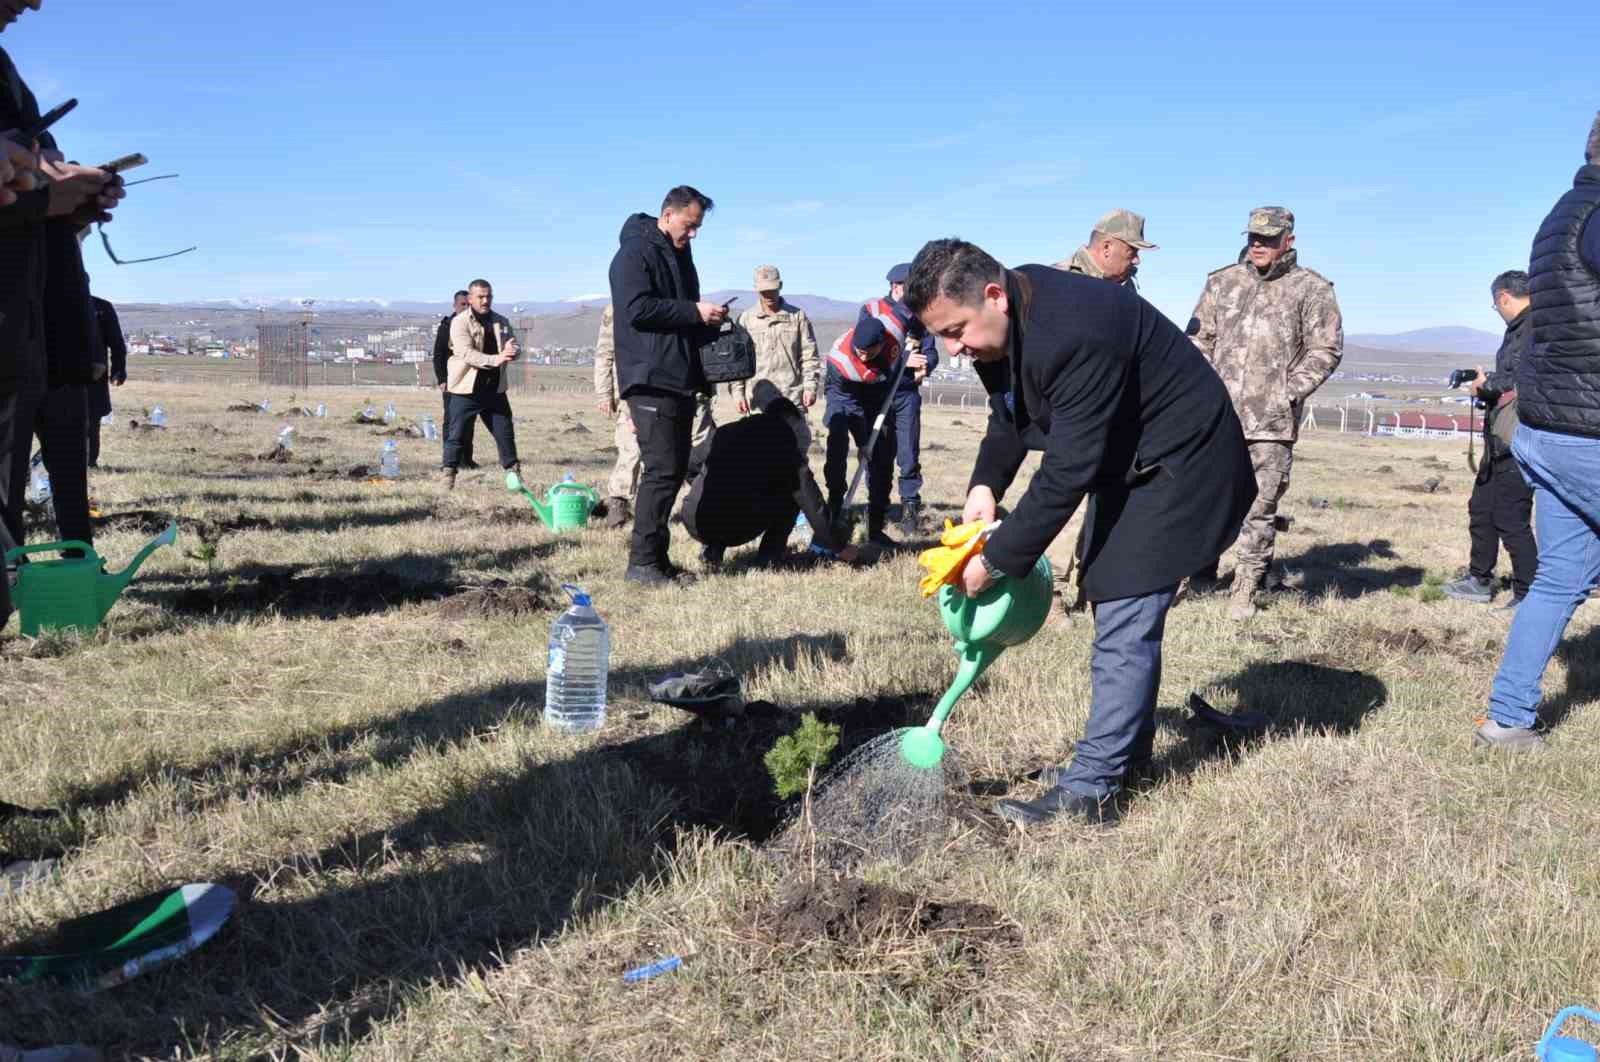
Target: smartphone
x=125, y=163
x=730, y=302
x=48, y=119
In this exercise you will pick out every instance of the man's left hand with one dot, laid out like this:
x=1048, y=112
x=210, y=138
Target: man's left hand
x=975, y=578
x=118, y=379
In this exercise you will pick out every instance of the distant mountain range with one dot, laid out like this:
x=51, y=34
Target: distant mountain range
x=1447, y=339
x=819, y=307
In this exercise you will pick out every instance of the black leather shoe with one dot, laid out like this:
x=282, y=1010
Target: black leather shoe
x=1055, y=803
x=644, y=576
x=1051, y=777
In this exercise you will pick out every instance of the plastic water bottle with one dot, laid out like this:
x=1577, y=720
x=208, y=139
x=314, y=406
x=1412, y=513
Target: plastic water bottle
x=39, y=488
x=108, y=420
x=389, y=415
x=158, y=417
x=286, y=438
x=575, y=676
x=322, y=409
x=266, y=406
x=389, y=461
x=430, y=430
x=369, y=413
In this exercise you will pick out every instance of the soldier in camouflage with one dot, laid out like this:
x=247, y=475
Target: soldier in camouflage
x=1112, y=252
x=1271, y=328
x=624, y=482
x=786, y=348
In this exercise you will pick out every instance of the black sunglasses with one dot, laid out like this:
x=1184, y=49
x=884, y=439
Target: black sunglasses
x=106, y=243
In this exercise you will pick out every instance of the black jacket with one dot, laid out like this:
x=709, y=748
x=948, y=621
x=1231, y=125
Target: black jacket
x=1518, y=338
x=1558, y=382
x=1125, y=408
x=441, y=349
x=69, y=318
x=22, y=254
x=655, y=289
x=746, y=470
x=111, y=348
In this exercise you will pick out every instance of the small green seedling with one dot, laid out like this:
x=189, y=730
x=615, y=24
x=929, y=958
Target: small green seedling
x=796, y=758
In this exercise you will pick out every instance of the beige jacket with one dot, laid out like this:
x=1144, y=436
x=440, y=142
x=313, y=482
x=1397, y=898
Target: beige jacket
x=605, y=358
x=466, y=351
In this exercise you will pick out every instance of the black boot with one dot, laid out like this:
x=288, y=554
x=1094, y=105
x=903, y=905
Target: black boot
x=875, y=533
x=911, y=518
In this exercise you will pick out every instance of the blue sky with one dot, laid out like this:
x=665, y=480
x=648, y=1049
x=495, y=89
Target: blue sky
x=359, y=148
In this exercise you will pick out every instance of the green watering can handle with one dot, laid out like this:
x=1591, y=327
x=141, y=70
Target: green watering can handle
x=48, y=547
x=576, y=488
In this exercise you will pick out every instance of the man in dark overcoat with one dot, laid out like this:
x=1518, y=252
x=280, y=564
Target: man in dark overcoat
x=1127, y=413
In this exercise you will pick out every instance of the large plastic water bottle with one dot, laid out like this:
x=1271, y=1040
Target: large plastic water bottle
x=430, y=430
x=389, y=461
x=389, y=415
x=286, y=437
x=39, y=488
x=158, y=417
x=322, y=409
x=575, y=676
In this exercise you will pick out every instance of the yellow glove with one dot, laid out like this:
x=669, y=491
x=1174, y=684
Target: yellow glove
x=945, y=561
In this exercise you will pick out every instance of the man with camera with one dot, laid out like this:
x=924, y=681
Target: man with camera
x=1501, y=507
x=1272, y=330
x=659, y=325
x=1557, y=445
x=482, y=344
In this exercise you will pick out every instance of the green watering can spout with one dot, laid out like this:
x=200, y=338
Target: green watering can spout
x=1008, y=613
x=111, y=585
x=515, y=485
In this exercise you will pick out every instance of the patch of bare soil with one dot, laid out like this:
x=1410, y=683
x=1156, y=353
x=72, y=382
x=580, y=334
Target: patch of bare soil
x=577, y=429
x=1432, y=485
x=208, y=530
x=139, y=425
x=498, y=600
x=850, y=911
x=1384, y=470
x=278, y=455
x=362, y=418
x=243, y=407
x=410, y=431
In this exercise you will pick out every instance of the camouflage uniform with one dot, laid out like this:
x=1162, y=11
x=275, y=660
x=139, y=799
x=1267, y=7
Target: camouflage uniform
x=1081, y=262
x=1274, y=340
x=786, y=354
x=624, y=482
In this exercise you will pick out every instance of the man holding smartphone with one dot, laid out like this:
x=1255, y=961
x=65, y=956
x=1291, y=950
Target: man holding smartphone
x=659, y=325
x=482, y=344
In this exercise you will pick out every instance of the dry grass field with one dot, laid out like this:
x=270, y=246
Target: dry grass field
x=328, y=697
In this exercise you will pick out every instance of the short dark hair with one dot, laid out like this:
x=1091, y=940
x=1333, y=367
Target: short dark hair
x=683, y=196
x=460, y=294
x=954, y=269
x=480, y=283
x=1514, y=282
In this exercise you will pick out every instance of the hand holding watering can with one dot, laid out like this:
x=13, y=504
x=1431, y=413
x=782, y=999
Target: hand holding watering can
x=977, y=577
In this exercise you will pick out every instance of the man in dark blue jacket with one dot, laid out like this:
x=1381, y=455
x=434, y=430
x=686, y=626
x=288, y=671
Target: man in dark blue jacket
x=922, y=358
x=660, y=324
x=1127, y=412
x=1557, y=444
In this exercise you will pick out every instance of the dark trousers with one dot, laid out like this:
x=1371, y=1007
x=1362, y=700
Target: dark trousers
x=94, y=441
x=850, y=420
x=908, y=443
x=1501, y=510
x=464, y=455
x=665, y=425
x=59, y=418
x=495, y=409
x=13, y=482
x=1124, y=676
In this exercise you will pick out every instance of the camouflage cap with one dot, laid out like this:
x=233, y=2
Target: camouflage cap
x=1270, y=221
x=1126, y=226
x=767, y=278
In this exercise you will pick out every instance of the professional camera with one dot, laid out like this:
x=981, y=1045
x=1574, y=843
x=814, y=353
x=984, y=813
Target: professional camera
x=1462, y=376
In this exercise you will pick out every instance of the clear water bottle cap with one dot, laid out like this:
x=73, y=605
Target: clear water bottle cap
x=579, y=595
x=568, y=478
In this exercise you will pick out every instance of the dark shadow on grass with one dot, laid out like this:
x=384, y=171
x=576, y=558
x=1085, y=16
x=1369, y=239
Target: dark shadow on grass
x=1581, y=656
x=1344, y=567
x=462, y=883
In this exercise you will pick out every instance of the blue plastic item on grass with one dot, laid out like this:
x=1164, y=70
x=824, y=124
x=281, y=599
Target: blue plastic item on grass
x=1553, y=1048
x=655, y=969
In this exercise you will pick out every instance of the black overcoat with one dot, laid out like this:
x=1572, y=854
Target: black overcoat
x=1126, y=410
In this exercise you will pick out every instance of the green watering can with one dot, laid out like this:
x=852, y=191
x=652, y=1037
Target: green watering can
x=72, y=593
x=567, y=505
x=1008, y=613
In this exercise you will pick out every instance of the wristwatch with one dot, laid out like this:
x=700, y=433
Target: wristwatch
x=988, y=566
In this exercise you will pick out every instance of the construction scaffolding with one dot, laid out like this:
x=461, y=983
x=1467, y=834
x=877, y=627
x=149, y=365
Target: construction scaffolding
x=282, y=354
